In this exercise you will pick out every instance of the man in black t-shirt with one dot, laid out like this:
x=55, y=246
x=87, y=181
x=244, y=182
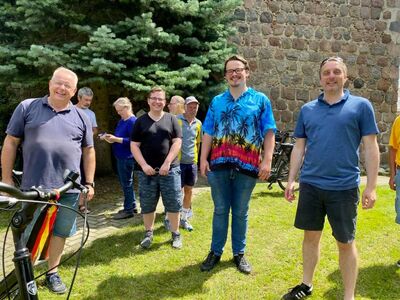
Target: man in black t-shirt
x=155, y=143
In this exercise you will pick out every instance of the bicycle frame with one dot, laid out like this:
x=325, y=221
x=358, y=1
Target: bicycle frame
x=22, y=257
x=281, y=159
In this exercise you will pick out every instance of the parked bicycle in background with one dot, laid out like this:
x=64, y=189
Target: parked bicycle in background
x=284, y=142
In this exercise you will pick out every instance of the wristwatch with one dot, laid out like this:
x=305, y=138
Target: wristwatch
x=90, y=183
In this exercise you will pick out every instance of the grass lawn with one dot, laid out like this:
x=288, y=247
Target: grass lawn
x=115, y=268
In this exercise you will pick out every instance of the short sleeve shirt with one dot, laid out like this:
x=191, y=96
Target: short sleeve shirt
x=155, y=138
x=394, y=141
x=191, y=138
x=51, y=141
x=333, y=135
x=238, y=128
x=92, y=116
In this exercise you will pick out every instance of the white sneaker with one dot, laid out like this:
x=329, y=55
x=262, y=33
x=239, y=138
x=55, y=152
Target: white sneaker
x=190, y=214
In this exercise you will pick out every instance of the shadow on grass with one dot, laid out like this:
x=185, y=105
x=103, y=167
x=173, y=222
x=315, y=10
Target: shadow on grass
x=269, y=194
x=172, y=284
x=374, y=282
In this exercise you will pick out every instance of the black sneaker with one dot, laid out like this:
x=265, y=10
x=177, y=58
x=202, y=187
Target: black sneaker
x=148, y=240
x=242, y=264
x=398, y=263
x=210, y=262
x=54, y=283
x=122, y=214
x=298, y=292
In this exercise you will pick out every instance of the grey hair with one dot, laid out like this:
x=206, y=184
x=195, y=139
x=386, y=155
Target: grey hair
x=85, y=91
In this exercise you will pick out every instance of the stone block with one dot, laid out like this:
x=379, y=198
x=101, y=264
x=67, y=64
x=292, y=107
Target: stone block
x=343, y=10
x=289, y=30
x=266, y=29
x=286, y=43
x=377, y=3
x=278, y=29
x=302, y=94
x=274, y=41
x=274, y=6
x=239, y=14
x=266, y=17
x=381, y=26
x=377, y=49
x=355, y=11
x=366, y=3
x=383, y=85
x=365, y=12
x=299, y=44
x=281, y=18
x=395, y=26
x=387, y=15
x=376, y=13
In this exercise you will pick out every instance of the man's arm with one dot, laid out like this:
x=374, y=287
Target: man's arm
x=173, y=152
x=296, y=160
x=8, y=155
x=392, y=167
x=206, y=143
x=95, y=130
x=371, y=150
x=265, y=165
x=89, y=165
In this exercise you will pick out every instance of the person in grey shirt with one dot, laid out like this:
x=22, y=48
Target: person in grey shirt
x=85, y=98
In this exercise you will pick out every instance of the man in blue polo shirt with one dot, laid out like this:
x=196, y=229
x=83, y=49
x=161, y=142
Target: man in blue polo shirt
x=55, y=135
x=238, y=125
x=329, y=131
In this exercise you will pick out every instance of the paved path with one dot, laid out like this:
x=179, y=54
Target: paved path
x=102, y=225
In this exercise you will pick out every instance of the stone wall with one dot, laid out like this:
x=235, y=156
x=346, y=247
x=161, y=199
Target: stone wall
x=285, y=41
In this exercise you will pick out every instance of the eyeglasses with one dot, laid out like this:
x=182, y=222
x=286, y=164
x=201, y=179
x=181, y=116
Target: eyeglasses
x=157, y=99
x=237, y=71
x=60, y=84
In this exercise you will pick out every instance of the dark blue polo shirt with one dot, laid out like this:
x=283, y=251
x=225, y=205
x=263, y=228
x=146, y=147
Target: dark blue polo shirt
x=333, y=134
x=52, y=141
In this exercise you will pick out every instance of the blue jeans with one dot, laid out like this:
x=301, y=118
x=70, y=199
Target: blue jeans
x=125, y=175
x=397, y=201
x=230, y=189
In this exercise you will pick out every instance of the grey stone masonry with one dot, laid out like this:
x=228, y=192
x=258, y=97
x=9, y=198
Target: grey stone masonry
x=285, y=40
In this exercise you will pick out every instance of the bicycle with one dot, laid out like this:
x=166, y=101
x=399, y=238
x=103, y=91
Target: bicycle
x=20, y=283
x=284, y=143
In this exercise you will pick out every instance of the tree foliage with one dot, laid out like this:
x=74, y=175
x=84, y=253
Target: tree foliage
x=136, y=44
x=125, y=45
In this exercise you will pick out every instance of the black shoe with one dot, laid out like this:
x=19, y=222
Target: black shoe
x=398, y=263
x=242, y=264
x=210, y=262
x=298, y=292
x=123, y=215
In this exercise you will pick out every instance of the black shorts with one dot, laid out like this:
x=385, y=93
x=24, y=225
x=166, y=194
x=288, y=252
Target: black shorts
x=340, y=207
x=188, y=174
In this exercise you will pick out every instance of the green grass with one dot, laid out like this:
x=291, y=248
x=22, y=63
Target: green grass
x=115, y=268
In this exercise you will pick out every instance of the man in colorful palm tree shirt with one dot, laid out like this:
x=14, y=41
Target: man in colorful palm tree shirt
x=238, y=126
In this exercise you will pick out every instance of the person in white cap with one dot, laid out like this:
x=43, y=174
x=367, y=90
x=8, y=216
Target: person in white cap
x=191, y=138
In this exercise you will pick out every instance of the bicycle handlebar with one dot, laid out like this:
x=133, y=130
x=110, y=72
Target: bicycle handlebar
x=38, y=193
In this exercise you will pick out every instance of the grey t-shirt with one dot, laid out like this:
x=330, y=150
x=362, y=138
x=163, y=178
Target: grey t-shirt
x=51, y=141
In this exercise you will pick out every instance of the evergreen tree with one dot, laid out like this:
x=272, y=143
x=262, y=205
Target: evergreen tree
x=117, y=47
x=124, y=46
